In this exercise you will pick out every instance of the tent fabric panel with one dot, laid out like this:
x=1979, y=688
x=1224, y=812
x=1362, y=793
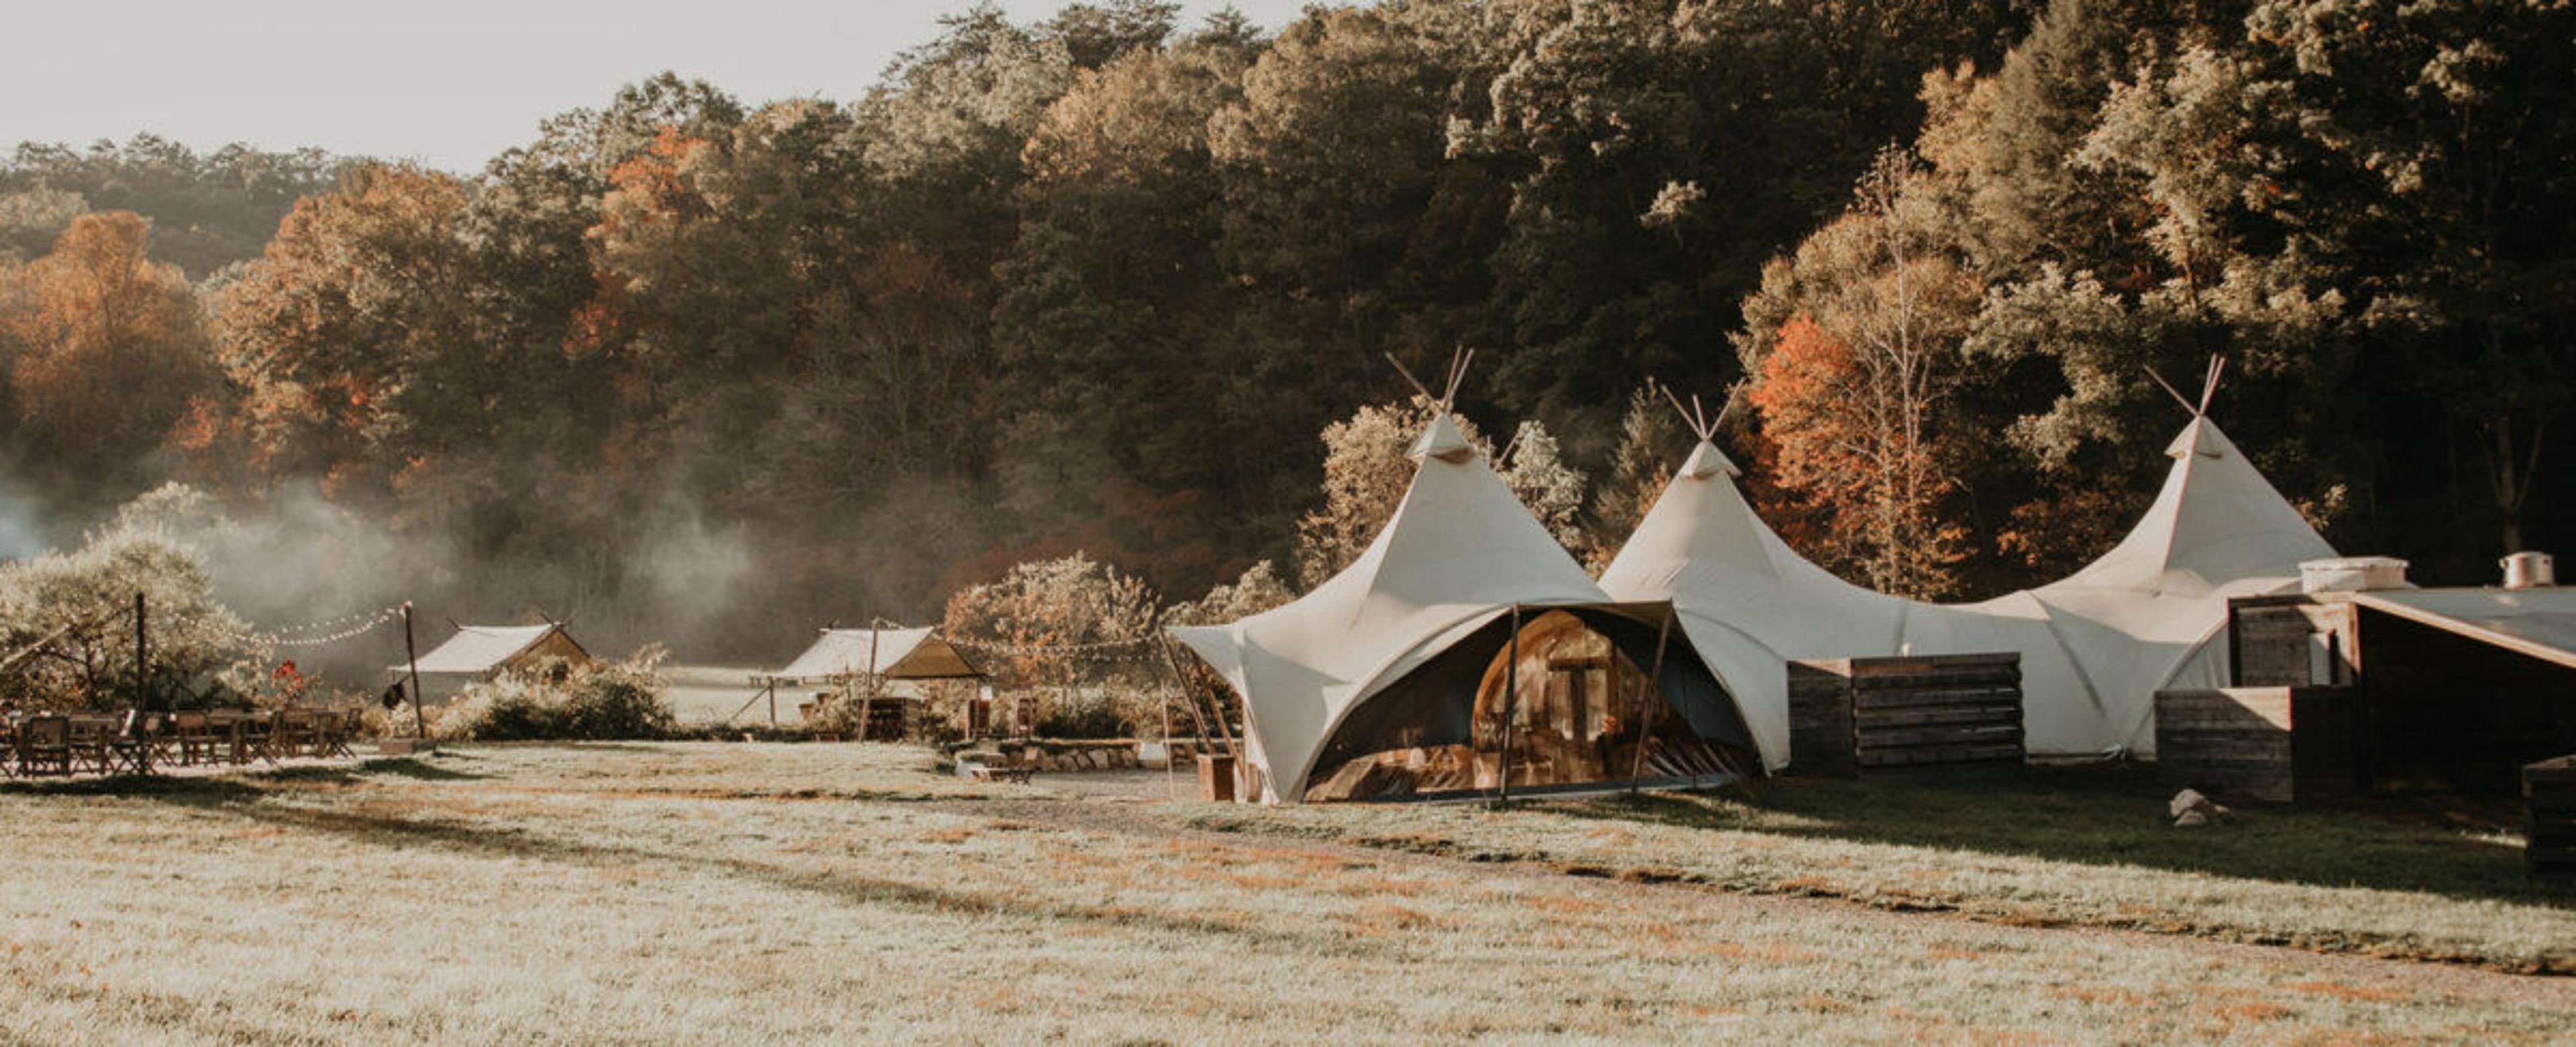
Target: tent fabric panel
x=477, y=649
x=895, y=654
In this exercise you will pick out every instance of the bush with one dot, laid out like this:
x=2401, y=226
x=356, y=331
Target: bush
x=1082, y=716
x=615, y=701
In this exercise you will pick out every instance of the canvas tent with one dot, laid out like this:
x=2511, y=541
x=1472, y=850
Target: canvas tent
x=1396, y=653
x=481, y=652
x=888, y=653
x=2094, y=647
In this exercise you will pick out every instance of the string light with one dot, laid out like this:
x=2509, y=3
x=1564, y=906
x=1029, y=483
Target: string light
x=345, y=627
x=361, y=629
x=1096, y=651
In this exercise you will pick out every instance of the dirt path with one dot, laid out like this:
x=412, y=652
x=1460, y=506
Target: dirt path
x=1130, y=809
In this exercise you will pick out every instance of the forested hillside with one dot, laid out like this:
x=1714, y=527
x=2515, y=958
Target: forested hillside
x=208, y=211
x=693, y=365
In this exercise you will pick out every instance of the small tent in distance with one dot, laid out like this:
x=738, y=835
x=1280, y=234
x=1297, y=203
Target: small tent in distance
x=841, y=659
x=886, y=653
x=482, y=652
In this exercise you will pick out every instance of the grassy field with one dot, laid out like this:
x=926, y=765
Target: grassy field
x=792, y=893
x=2085, y=847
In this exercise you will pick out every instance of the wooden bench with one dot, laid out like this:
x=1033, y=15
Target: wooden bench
x=1016, y=769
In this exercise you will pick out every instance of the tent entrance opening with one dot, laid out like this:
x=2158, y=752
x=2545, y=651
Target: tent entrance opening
x=1580, y=699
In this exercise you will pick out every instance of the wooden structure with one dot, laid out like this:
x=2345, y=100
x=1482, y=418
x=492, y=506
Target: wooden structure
x=1852, y=715
x=483, y=652
x=2549, y=803
x=2276, y=744
x=1216, y=778
x=859, y=664
x=2451, y=689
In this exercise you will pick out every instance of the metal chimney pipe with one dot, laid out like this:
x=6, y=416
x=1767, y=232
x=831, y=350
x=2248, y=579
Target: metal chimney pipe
x=2529, y=571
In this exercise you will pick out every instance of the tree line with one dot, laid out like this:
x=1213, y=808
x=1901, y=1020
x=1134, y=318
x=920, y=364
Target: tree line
x=1098, y=282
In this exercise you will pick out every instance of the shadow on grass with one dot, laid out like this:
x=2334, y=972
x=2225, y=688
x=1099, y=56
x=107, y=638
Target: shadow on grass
x=239, y=785
x=418, y=770
x=2118, y=816
x=191, y=792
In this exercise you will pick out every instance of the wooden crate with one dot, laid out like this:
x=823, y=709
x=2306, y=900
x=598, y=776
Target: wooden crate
x=2289, y=641
x=1820, y=719
x=1216, y=777
x=2274, y=744
x=1851, y=715
x=2549, y=807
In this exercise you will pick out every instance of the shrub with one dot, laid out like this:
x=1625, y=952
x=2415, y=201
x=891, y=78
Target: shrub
x=1082, y=716
x=556, y=701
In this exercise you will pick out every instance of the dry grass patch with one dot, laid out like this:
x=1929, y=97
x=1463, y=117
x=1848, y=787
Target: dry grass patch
x=670, y=893
x=2035, y=850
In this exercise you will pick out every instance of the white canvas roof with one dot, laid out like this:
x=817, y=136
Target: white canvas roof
x=478, y=649
x=897, y=652
x=2095, y=646
x=1458, y=551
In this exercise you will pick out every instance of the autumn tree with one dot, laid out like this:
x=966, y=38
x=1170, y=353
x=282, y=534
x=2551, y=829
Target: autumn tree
x=1114, y=275
x=350, y=339
x=2382, y=182
x=1258, y=589
x=1534, y=467
x=198, y=645
x=105, y=351
x=1853, y=385
x=1060, y=604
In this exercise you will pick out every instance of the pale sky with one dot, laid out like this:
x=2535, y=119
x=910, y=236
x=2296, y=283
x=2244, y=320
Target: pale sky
x=451, y=82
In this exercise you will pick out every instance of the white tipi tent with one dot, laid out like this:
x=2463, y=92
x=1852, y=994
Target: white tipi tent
x=2095, y=647
x=1748, y=603
x=2147, y=615
x=1459, y=552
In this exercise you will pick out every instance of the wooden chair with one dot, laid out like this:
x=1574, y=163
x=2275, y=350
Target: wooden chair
x=127, y=747
x=245, y=739
x=284, y=737
x=198, y=739
x=330, y=734
x=91, y=738
x=159, y=732
x=44, y=745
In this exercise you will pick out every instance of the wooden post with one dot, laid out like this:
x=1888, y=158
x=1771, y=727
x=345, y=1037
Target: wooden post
x=1654, y=699
x=1171, y=779
x=773, y=701
x=868, y=702
x=411, y=656
x=142, y=658
x=1181, y=683
x=1511, y=697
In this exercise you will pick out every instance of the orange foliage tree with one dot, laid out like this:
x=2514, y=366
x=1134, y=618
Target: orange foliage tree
x=106, y=351
x=1852, y=386
x=352, y=324
x=1856, y=463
